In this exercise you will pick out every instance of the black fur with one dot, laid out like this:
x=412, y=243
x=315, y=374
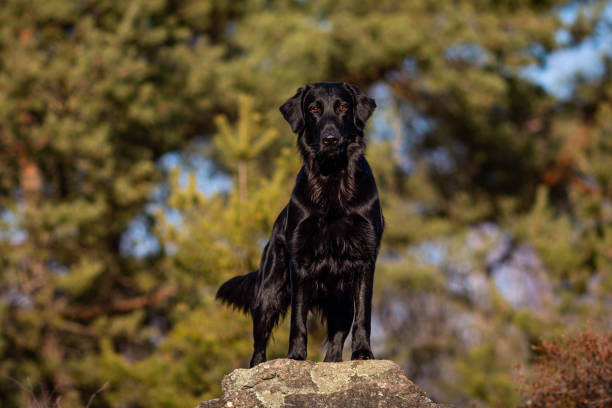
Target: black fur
x=324, y=243
x=238, y=291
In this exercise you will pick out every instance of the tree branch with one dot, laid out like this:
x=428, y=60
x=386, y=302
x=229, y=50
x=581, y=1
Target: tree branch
x=122, y=306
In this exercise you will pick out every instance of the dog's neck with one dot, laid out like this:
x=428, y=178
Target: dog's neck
x=337, y=187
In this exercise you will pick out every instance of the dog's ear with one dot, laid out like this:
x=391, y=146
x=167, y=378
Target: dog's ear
x=363, y=105
x=293, y=111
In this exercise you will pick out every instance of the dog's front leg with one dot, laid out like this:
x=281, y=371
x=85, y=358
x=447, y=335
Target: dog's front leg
x=300, y=304
x=362, y=298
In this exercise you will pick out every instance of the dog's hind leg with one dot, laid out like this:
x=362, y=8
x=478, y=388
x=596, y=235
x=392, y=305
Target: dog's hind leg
x=265, y=316
x=339, y=316
x=263, y=322
x=271, y=300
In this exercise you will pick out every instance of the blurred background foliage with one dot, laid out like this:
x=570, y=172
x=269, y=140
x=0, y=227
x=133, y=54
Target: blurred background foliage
x=143, y=161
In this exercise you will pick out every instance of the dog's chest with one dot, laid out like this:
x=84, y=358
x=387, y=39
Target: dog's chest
x=334, y=239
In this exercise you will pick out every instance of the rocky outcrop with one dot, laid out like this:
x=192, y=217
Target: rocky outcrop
x=290, y=383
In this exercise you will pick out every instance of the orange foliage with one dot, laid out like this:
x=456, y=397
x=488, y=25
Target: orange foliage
x=571, y=372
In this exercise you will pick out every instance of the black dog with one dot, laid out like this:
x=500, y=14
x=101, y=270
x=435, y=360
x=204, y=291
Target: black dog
x=324, y=243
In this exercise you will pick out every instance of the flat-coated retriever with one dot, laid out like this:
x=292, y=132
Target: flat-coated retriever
x=324, y=243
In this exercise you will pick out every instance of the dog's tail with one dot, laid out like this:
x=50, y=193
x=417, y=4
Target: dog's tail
x=239, y=291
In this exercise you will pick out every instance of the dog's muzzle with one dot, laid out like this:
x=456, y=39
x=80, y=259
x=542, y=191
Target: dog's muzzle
x=330, y=139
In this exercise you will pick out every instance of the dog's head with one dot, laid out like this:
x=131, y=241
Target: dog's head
x=329, y=118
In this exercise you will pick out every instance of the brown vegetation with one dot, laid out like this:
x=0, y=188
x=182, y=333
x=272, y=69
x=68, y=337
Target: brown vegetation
x=571, y=372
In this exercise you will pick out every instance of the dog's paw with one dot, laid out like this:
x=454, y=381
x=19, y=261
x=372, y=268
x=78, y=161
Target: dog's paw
x=362, y=354
x=297, y=356
x=257, y=359
x=333, y=358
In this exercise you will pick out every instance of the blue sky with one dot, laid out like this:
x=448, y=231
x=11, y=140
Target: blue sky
x=562, y=66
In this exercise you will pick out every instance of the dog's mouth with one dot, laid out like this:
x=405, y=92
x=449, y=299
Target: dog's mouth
x=332, y=145
x=332, y=149
x=332, y=159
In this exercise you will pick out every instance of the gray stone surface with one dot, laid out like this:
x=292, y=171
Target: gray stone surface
x=289, y=383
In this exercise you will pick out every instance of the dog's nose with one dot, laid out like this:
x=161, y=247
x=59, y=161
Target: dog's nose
x=330, y=139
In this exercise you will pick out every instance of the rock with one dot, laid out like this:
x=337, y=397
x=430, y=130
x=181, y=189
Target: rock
x=290, y=383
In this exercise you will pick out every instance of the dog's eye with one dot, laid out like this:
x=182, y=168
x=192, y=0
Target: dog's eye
x=342, y=108
x=314, y=109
